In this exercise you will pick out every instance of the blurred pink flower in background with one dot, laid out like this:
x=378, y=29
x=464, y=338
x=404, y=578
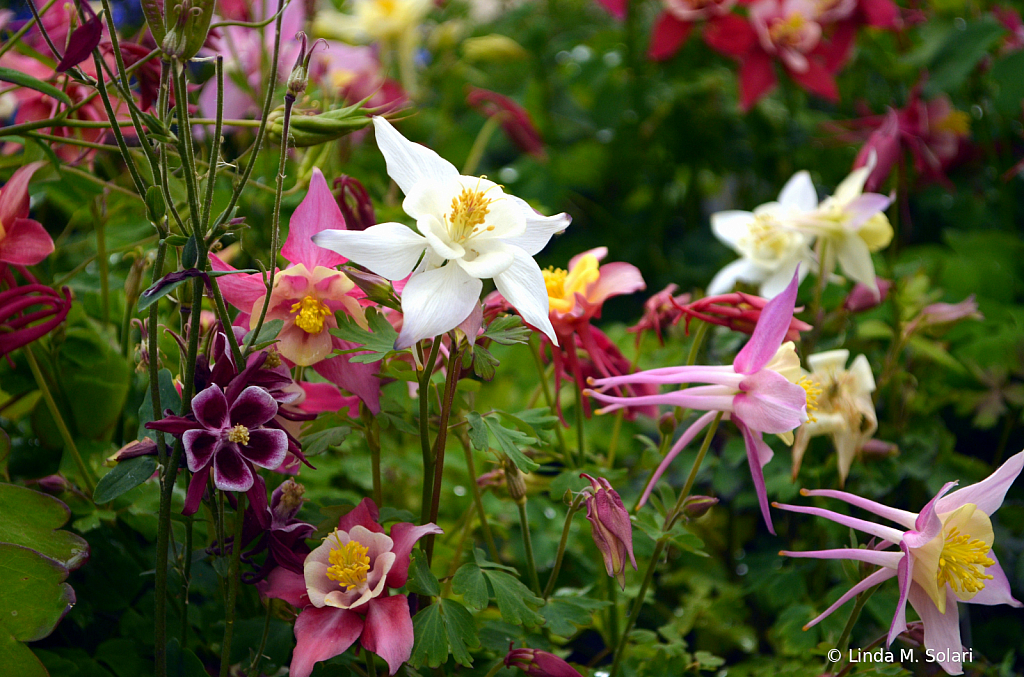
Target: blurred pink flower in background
x=515, y=120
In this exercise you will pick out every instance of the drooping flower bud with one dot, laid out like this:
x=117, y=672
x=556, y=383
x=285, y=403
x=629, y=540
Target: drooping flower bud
x=376, y=288
x=514, y=481
x=660, y=312
x=938, y=314
x=875, y=448
x=613, y=532
x=863, y=297
x=737, y=311
x=537, y=663
x=515, y=120
x=355, y=203
x=299, y=77
x=698, y=506
x=133, y=282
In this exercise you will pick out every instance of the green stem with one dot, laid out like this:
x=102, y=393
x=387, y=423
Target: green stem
x=69, y=442
x=254, y=668
x=372, y=430
x=129, y=161
x=671, y=518
x=496, y=669
x=371, y=666
x=614, y=443
x=185, y=149
x=548, y=400
x=478, y=498
x=186, y=581
x=103, y=261
x=211, y=172
x=229, y=614
x=553, y=578
x=440, y=442
x=428, y=457
x=698, y=341
x=844, y=639
x=476, y=152
x=13, y=40
x=222, y=313
x=531, y=564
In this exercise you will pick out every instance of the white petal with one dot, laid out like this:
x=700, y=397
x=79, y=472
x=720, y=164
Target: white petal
x=539, y=229
x=409, y=163
x=390, y=250
x=829, y=360
x=741, y=269
x=852, y=186
x=484, y=260
x=775, y=283
x=438, y=239
x=522, y=285
x=855, y=258
x=731, y=226
x=799, y=193
x=861, y=370
x=430, y=198
x=436, y=301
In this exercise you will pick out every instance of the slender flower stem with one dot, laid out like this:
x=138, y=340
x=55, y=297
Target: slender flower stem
x=553, y=578
x=371, y=666
x=372, y=432
x=476, y=152
x=103, y=260
x=614, y=443
x=13, y=40
x=233, y=575
x=129, y=160
x=187, y=153
x=698, y=341
x=662, y=450
x=222, y=313
x=254, y=668
x=69, y=442
x=496, y=669
x=478, y=497
x=844, y=639
x=211, y=172
x=531, y=564
x=428, y=456
x=440, y=442
x=548, y=400
x=186, y=580
x=659, y=548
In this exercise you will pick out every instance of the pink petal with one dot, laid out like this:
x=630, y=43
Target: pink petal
x=365, y=514
x=318, y=211
x=615, y=279
x=321, y=634
x=679, y=445
x=388, y=631
x=14, y=200
x=881, y=13
x=884, y=558
x=668, y=36
x=598, y=253
x=770, y=331
x=905, y=576
x=731, y=35
x=617, y=8
x=927, y=525
x=816, y=80
x=864, y=206
x=26, y=242
x=757, y=78
x=996, y=591
x=769, y=403
x=323, y=397
x=902, y=517
x=757, y=450
x=872, y=580
x=885, y=533
x=241, y=290
x=941, y=631
x=987, y=494
x=405, y=536
x=286, y=585
x=359, y=379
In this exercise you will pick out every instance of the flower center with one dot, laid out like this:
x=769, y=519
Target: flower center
x=957, y=122
x=349, y=564
x=962, y=562
x=273, y=360
x=554, y=280
x=813, y=391
x=469, y=210
x=311, y=314
x=787, y=31
x=239, y=434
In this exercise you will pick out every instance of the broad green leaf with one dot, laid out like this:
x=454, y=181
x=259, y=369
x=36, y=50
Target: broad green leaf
x=25, y=80
x=268, y=332
x=125, y=476
x=34, y=596
x=514, y=600
x=318, y=443
x=17, y=658
x=421, y=580
x=169, y=399
x=94, y=379
x=566, y=615
x=431, y=640
x=477, y=431
x=508, y=330
x=1007, y=74
x=469, y=582
x=380, y=340
x=182, y=662
x=33, y=520
x=512, y=442
x=461, y=631
x=154, y=11
x=484, y=363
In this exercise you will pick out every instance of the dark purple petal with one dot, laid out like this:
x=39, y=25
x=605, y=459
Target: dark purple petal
x=258, y=500
x=196, y=489
x=231, y=472
x=83, y=40
x=175, y=425
x=211, y=408
x=254, y=407
x=200, y=446
x=266, y=448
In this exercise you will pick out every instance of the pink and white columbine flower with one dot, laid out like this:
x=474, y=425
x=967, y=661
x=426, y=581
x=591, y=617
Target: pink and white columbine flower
x=469, y=230
x=758, y=391
x=344, y=591
x=944, y=556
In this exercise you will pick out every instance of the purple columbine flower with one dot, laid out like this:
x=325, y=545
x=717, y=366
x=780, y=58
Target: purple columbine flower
x=228, y=437
x=760, y=391
x=613, y=532
x=285, y=540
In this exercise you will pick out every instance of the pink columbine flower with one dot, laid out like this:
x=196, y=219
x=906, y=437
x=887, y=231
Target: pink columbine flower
x=944, y=557
x=537, y=663
x=938, y=314
x=23, y=242
x=661, y=311
x=344, y=591
x=758, y=391
x=613, y=532
x=306, y=295
x=737, y=311
x=675, y=23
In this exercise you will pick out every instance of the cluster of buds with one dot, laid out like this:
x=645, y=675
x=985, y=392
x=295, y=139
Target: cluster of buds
x=737, y=311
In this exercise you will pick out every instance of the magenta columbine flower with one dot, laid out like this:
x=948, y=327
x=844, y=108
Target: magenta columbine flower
x=613, y=532
x=344, y=595
x=228, y=438
x=537, y=663
x=944, y=557
x=759, y=392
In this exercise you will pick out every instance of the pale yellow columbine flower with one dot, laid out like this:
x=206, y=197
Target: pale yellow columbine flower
x=844, y=408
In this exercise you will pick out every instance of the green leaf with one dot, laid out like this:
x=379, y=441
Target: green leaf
x=268, y=333
x=153, y=9
x=431, y=640
x=514, y=599
x=318, y=443
x=960, y=53
x=647, y=523
x=32, y=519
x=484, y=363
x=477, y=431
x=169, y=399
x=469, y=582
x=5, y=453
x=421, y=580
x=564, y=616
x=17, y=658
x=125, y=476
x=155, y=208
x=34, y=596
x=94, y=379
x=182, y=662
x=1007, y=74
x=380, y=340
x=508, y=330
x=512, y=442
x=461, y=631
x=25, y=80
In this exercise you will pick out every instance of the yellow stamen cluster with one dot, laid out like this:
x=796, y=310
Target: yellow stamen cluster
x=469, y=210
x=239, y=434
x=957, y=122
x=962, y=562
x=273, y=359
x=349, y=564
x=813, y=391
x=787, y=31
x=554, y=280
x=311, y=315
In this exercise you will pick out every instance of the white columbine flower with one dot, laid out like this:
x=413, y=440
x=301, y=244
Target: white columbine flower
x=843, y=410
x=771, y=248
x=469, y=230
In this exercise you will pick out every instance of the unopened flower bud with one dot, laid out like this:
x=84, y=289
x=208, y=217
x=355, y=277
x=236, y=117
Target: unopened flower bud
x=514, y=481
x=698, y=506
x=537, y=663
x=939, y=314
x=493, y=47
x=875, y=448
x=613, y=532
x=863, y=297
x=312, y=130
x=287, y=499
x=355, y=203
x=133, y=283
x=376, y=288
x=494, y=478
x=667, y=424
x=299, y=77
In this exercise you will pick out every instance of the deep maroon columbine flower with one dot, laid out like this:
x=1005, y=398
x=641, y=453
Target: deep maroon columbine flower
x=229, y=438
x=537, y=663
x=285, y=540
x=613, y=532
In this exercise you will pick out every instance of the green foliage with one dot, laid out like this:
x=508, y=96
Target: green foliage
x=33, y=520
x=125, y=476
x=444, y=628
x=379, y=340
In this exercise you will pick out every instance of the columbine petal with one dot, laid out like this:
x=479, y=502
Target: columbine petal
x=200, y=446
x=359, y=379
x=769, y=403
x=14, y=199
x=405, y=536
x=365, y=514
x=799, y=193
x=539, y=228
x=679, y=445
x=388, y=631
x=390, y=250
x=770, y=331
x=902, y=517
x=287, y=585
x=253, y=407
x=211, y=408
x=522, y=285
x=25, y=243
x=321, y=634
x=987, y=494
x=196, y=489
x=853, y=255
x=230, y=471
x=869, y=582
x=885, y=533
x=758, y=454
x=317, y=212
x=408, y=162
x=438, y=300
x=941, y=630
x=242, y=291
x=492, y=261
x=904, y=575
x=884, y=558
x=997, y=590
x=743, y=270
x=267, y=447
